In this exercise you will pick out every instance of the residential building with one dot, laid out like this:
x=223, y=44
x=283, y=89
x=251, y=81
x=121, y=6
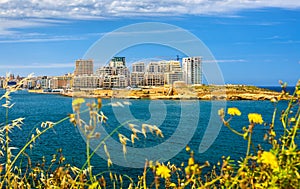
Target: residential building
x=117, y=62
x=115, y=75
x=86, y=82
x=137, y=74
x=61, y=82
x=192, y=70
x=84, y=67
x=138, y=67
x=173, y=72
x=154, y=75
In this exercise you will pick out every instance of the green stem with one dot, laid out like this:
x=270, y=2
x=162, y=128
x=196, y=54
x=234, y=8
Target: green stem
x=8, y=155
x=88, y=158
x=295, y=132
x=234, y=131
x=249, y=142
x=274, y=115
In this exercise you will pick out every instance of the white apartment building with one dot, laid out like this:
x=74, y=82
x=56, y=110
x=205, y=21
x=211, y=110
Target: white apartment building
x=192, y=70
x=137, y=74
x=154, y=76
x=115, y=75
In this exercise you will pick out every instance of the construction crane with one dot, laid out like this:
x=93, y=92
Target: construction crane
x=169, y=58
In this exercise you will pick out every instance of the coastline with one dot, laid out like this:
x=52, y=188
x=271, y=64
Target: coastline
x=204, y=92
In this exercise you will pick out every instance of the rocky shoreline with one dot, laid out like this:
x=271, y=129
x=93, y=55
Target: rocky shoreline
x=233, y=92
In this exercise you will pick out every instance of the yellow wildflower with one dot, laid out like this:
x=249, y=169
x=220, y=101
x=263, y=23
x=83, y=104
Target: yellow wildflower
x=94, y=185
x=221, y=112
x=255, y=118
x=173, y=185
x=109, y=162
x=233, y=111
x=78, y=101
x=163, y=171
x=272, y=133
x=191, y=161
x=187, y=170
x=72, y=118
x=269, y=159
x=187, y=148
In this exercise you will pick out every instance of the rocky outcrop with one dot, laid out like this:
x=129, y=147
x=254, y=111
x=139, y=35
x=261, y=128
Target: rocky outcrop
x=233, y=92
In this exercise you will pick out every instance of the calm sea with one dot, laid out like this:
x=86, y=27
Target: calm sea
x=36, y=108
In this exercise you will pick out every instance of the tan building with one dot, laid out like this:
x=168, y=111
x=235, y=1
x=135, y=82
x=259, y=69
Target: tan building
x=86, y=82
x=84, y=67
x=62, y=82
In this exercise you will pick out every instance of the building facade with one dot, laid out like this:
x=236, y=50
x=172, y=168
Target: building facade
x=86, y=82
x=192, y=70
x=115, y=75
x=137, y=75
x=84, y=67
x=62, y=82
x=117, y=62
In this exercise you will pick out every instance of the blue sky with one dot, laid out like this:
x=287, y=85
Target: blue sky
x=254, y=42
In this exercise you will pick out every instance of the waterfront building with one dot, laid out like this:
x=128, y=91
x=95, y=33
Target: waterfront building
x=154, y=75
x=192, y=70
x=137, y=74
x=173, y=72
x=171, y=77
x=61, y=82
x=30, y=84
x=117, y=62
x=106, y=71
x=115, y=75
x=84, y=67
x=86, y=82
x=138, y=67
x=43, y=82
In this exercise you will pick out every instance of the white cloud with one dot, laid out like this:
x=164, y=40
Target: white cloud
x=38, y=66
x=18, y=14
x=34, y=39
x=225, y=61
x=8, y=26
x=88, y=9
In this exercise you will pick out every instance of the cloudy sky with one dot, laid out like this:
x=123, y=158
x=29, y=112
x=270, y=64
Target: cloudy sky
x=254, y=41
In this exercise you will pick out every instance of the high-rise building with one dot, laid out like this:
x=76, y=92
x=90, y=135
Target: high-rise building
x=154, y=75
x=84, y=67
x=137, y=74
x=115, y=75
x=192, y=70
x=117, y=62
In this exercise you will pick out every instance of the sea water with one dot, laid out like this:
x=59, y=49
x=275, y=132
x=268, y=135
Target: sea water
x=166, y=114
